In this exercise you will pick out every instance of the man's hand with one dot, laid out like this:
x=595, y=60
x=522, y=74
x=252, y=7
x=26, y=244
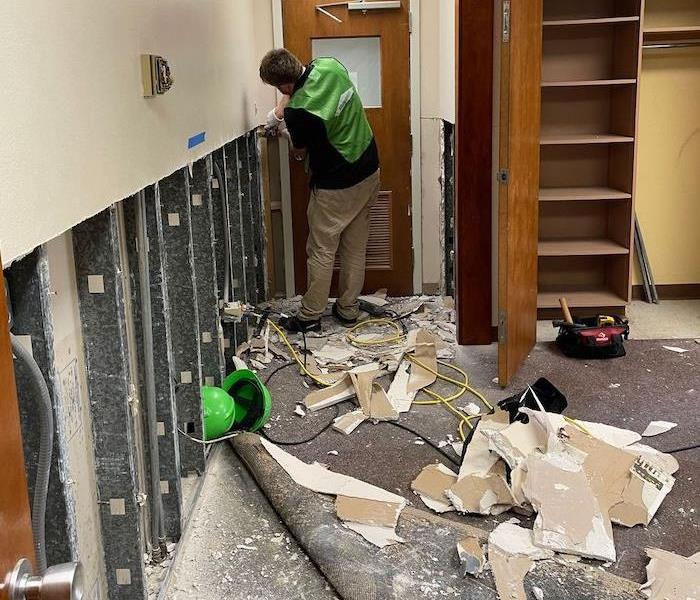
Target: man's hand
x=275, y=124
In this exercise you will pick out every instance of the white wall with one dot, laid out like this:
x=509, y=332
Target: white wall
x=438, y=103
x=77, y=133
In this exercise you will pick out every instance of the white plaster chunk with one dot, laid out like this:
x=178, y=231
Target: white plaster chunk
x=657, y=428
x=471, y=556
x=96, y=284
x=671, y=576
x=514, y=539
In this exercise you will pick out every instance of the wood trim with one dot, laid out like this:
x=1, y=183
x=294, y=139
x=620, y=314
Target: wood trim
x=15, y=519
x=671, y=291
x=473, y=171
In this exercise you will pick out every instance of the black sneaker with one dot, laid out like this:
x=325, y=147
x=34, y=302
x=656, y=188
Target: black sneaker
x=296, y=325
x=341, y=318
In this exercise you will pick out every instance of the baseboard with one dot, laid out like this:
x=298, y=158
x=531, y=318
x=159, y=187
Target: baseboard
x=673, y=291
x=431, y=289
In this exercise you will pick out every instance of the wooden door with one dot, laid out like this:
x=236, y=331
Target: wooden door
x=390, y=248
x=15, y=521
x=519, y=145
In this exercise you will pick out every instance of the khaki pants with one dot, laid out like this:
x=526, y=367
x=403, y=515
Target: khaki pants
x=338, y=222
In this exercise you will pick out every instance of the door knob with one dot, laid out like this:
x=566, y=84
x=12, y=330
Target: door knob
x=60, y=582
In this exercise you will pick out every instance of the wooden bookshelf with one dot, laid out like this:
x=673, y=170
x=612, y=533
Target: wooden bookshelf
x=688, y=33
x=590, y=73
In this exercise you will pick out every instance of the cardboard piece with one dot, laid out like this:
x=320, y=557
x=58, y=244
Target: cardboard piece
x=348, y=422
x=487, y=494
x=471, y=556
x=671, y=577
x=432, y=483
x=426, y=353
x=398, y=394
x=570, y=518
x=658, y=427
x=368, y=512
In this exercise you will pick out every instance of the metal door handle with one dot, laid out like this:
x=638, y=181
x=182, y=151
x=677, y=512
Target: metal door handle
x=60, y=582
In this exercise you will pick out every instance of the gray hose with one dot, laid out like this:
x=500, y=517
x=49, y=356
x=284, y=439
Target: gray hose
x=43, y=471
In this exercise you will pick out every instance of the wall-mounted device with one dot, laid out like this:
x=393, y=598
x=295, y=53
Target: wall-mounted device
x=155, y=74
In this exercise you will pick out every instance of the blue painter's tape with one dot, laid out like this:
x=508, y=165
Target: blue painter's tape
x=197, y=139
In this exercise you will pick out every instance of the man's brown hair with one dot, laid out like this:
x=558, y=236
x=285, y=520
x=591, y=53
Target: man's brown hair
x=280, y=66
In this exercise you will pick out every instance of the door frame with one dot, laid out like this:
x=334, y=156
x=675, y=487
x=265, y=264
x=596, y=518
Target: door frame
x=474, y=172
x=415, y=112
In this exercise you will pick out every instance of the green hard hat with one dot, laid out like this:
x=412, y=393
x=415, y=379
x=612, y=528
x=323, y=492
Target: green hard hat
x=242, y=403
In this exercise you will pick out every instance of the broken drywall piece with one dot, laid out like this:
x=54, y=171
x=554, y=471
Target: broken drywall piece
x=472, y=409
x=334, y=355
x=517, y=441
x=483, y=494
x=299, y=411
x=646, y=490
x=658, y=427
x=375, y=534
x=328, y=396
x=380, y=408
x=319, y=479
x=367, y=512
x=348, y=422
x=676, y=349
x=671, y=576
x=570, y=518
x=426, y=353
x=471, y=556
x=458, y=447
x=398, y=394
x=363, y=383
x=514, y=539
x=537, y=593
x=665, y=461
x=432, y=483
x=479, y=460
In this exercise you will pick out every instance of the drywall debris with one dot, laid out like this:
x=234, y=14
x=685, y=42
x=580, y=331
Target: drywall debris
x=431, y=484
x=398, y=394
x=658, y=427
x=517, y=441
x=319, y=479
x=537, y=593
x=367, y=512
x=671, y=577
x=335, y=355
x=484, y=494
x=471, y=556
x=427, y=355
x=348, y=422
x=332, y=452
x=676, y=349
x=419, y=442
x=511, y=554
x=514, y=539
x=376, y=299
x=299, y=411
x=324, y=397
x=479, y=460
x=458, y=447
x=472, y=409
x=667, y=462
x=570, y=518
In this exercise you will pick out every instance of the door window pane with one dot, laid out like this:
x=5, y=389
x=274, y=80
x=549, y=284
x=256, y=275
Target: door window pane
x=362, y=58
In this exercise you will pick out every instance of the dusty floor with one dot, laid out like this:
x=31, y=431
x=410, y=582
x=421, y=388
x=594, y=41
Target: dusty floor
x=654, y=383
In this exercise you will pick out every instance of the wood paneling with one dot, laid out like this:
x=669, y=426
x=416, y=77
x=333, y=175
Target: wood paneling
x=474, y=171
x=15, y=521
x=517, y=210
x=390, y=123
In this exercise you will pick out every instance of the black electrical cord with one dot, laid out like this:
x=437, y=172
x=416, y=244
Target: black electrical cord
x=425, y=439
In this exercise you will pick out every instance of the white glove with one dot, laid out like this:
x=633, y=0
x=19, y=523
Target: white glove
x=274, y=124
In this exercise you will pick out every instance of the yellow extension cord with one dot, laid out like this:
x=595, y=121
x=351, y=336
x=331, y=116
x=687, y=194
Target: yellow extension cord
x=438, y=399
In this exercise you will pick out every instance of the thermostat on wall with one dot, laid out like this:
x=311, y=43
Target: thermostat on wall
x=155, y=74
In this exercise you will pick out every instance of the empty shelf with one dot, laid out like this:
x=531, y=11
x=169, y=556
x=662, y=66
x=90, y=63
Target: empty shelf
x=672, y=34
x=557, y=140
x=562, y=194
x=580, y=247
x=593, y=21
x=579, y=298
x=588, y=83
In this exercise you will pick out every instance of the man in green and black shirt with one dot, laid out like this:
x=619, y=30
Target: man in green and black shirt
x=321, y=114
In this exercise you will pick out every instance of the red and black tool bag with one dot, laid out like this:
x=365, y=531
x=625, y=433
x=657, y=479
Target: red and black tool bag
x=585, y=339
